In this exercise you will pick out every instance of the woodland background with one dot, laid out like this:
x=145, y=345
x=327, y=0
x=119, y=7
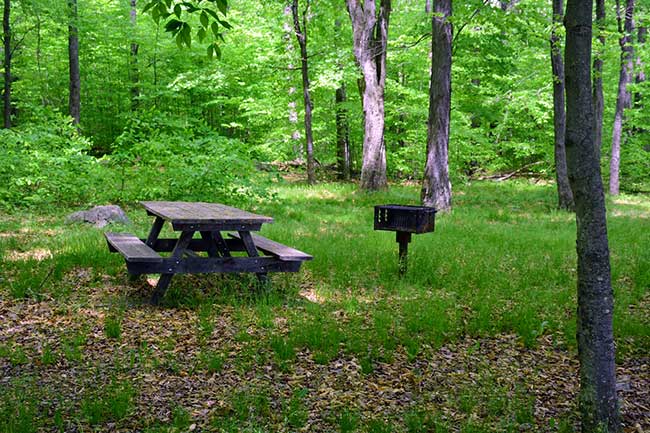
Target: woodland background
x=164, y=122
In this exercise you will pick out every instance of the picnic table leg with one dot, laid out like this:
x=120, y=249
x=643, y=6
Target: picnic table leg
x=213, y=250
x=151, y=240
x=155, y=231
x=221, y=244
x=177, y=253
x=251, y=249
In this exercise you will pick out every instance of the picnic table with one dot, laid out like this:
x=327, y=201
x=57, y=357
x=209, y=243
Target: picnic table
x=224, y=232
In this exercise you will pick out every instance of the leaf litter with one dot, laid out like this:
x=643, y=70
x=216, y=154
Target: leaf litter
x=160, y=351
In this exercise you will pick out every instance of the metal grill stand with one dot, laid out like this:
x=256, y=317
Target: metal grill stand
x=404, y=220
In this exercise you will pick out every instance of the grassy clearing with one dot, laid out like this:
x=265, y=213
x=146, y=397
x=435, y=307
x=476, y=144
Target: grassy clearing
x=475, y=337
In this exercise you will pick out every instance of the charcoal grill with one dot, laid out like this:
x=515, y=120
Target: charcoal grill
x=404, y=220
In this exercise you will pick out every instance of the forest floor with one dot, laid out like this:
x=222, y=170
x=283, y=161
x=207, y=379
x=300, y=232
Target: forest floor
x=478, y=336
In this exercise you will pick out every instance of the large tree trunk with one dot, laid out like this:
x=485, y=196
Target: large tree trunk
x=370, y=36
x=565, y=196
x=6, y=37
x=74, y=100
x=301, y=35
x=599, y=99
x=597, y=401
x=436, y=186
x=623, y=98
x=135, y=71
x=342, y=134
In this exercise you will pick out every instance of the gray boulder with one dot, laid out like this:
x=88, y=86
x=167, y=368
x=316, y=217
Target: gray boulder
x=99, y=216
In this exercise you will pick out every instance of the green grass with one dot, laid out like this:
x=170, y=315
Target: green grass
x=503, y=261
x=112, y=403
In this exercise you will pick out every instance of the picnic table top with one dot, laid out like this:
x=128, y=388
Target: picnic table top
x=202, y=213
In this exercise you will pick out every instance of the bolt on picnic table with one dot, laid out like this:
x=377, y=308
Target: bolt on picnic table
x=404, y=220
x=212, y=221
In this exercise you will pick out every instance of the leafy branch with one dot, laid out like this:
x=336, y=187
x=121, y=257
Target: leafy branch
x=176, y=15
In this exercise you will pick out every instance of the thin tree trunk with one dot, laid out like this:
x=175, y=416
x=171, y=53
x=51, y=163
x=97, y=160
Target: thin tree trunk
x=565, y=197
x=623, y=99
x=301, y=35
x=427, y=6
x=598, y=403
x=436, y=186
x=342, y=134
x=370, y=37
x=135, y=72
x=598, y=97
x=642, y=33
x=74, y=100
x=6, y=36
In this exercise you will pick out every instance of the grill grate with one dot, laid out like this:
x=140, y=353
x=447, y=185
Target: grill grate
x=404, y=218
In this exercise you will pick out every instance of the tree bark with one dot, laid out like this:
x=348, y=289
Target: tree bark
x=135, y=71
x=565, y=196
x=642, y=33
x=74, y=100
x=301, y=35
x=6, y=37
x=598, y=97
x=342, y=134
x=623, y=98
x=370, y=37
x=436, y=186
x=598, y=403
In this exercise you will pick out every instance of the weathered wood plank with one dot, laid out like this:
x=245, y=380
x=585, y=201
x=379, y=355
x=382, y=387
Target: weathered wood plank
x=132, y=248
x=203, y=213
x=200, y=265
x=168, y=244
x=214, y=226
x=274, y=248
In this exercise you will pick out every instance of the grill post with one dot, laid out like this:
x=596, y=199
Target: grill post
x=403, y=238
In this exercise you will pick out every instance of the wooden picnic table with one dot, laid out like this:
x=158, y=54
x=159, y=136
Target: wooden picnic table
x=224, y=231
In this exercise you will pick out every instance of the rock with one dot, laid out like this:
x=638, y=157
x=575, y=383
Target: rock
x=99, y=216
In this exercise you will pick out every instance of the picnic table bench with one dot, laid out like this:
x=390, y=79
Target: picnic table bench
x=223, y=230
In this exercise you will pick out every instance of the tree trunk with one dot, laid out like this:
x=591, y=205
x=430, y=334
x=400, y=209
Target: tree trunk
x=370, y=37
x=599, y=99
x=74, y=100
x=342, y=134
x=301, y=35
x=436, y=186
x=642, y=33
x=427, y=6
x=597, y=401
x=135, y=72
x=623, y=99
x=565, y=197
x=6, y=36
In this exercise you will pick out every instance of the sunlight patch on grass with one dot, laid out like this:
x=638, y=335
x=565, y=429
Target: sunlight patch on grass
x=312, y=296
x=38, y=254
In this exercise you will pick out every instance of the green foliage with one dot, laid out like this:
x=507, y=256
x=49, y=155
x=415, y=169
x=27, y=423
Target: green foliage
x=501, y=99
x=46, y=163
x=177, y=18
